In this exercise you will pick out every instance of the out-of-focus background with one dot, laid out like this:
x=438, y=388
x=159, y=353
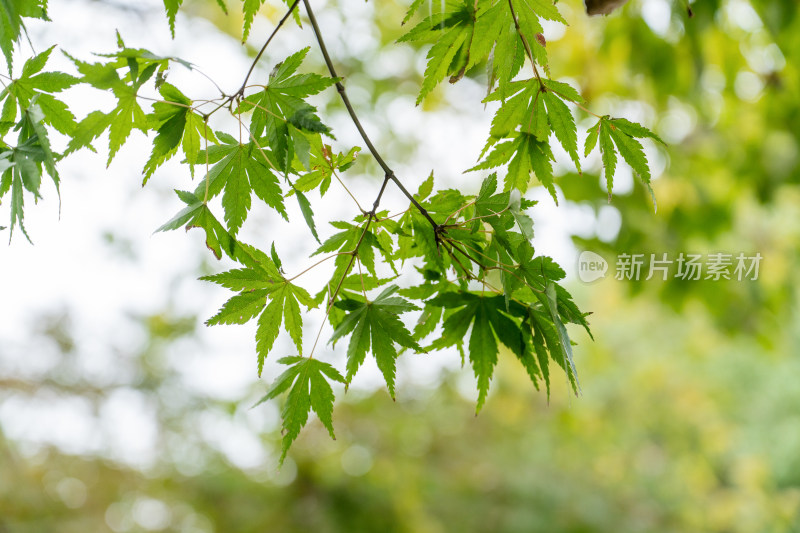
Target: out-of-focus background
x=120, y=411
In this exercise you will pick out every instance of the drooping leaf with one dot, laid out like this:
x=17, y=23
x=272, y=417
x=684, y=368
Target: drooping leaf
x=631, y=151
x=453, y=31
x=11, y=24
x=609, y=156
x=310, y=389
x=376, y=324
x=196, y=214
x=486, y=315
x=249, y=9
x=177, y=125
x=563, y=337
x=532, y=156
x=172, y=10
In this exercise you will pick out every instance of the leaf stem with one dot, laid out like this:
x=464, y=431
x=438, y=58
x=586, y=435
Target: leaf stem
x=473, y=219
x=587, y=111
x=353, y=254
x=361, y=277
x=316, y=264
x=335, y=175
x=208, y=172
x=455, y=213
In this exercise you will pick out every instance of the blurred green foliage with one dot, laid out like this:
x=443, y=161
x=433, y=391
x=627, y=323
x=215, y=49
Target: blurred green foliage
x=699, y=434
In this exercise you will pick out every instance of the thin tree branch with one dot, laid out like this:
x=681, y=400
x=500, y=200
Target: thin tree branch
x=389, y=173
x=240, y=92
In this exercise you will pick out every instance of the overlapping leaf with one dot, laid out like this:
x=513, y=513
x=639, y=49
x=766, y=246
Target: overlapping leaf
x=137, y=66
x=238, y=171
x=466, y=32
x=22, y=165
x=322, y=164
x=279, y=110
x=490, y=323
x=375, y=324
x=176, y=125
x=196, y=214
x=525, y=154
x=620, y=135
x=359, y=240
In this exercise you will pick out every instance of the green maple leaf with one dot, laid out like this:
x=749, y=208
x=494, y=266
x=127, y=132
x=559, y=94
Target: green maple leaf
x=280, y=107
x=375, y=324
x=496, y=27
x=141, y=65
x=249, y=10
x=310, y=389
x=34, y=84
x=533, y=156
x=263, y=291
x=563, y=125
x=12, y=180
x=535, y=271
x=499, y=210
x=171, y=7
x=466, y=32
x=453, y=31
x=535, y=108
x=525, y=154
x=524, y=110
x=238, y=171
x=11, y=25
x=413, y=8
x=608, y=155
x=549, y=336
x=345, y=241
x=196, y=214
x=323, y=164
x=592, y=134
x=620, y=135
x=119, y=122
x=176, y=125
x=490, y=323
x=22, y=165
x=284, y=307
